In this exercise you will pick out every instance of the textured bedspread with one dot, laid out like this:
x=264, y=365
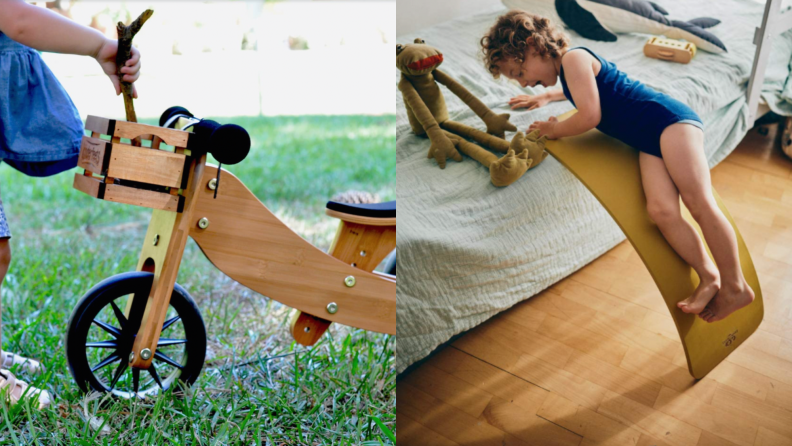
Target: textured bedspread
x=468, y=250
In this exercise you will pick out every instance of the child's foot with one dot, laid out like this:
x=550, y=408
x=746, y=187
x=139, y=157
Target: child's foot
x=706, y=290
x=728, y=300
x=7, y=359
x=15, y=389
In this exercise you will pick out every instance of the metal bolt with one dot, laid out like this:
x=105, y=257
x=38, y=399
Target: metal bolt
x=349, y=281
x=307, y=329
x=131, y=356
x=332, y=307
x=212, y=184
x=156, y=239
x=363, y=253
x=203, y=223
x=145, y=354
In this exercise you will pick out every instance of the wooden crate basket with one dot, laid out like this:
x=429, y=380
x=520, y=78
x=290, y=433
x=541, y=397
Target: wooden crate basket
x=125, y=173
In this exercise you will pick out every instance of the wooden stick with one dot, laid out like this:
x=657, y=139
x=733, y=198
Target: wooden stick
x=125, y=35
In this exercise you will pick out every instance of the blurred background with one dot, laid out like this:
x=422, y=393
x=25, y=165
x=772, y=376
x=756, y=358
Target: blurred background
x=241, y=58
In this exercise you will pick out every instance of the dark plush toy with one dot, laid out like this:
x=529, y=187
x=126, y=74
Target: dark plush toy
x=428, y=115
x=602, y=19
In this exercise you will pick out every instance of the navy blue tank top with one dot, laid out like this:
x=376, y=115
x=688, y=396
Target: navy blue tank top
x=630, y=110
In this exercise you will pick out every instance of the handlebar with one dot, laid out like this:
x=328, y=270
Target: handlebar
x=228, y=143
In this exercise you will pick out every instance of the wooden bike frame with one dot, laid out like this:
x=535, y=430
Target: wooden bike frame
x=246, y=241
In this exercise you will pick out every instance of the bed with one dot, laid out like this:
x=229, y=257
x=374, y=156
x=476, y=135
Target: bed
x=469, y=250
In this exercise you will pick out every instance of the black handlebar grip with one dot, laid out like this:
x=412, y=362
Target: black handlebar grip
x=175, y=110
x=230, y=144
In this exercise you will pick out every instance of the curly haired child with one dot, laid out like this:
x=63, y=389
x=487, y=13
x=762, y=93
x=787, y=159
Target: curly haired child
x=40, y=129
x=668, y=134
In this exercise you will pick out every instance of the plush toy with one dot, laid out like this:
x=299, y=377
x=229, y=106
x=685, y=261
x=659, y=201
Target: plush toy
x=600, y=19
x=428, y=115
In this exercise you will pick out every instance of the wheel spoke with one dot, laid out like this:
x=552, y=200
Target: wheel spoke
x=167, y=359
x=153, y=372
x=109, y=360
x=169, y=322
x=135, y=378
x=116, y=333
x=168, y=341
x=102, y=344
x=118, y=314
x=119, y=371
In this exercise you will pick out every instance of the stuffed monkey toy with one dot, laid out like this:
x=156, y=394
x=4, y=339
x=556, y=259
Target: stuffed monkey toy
x=428, y=115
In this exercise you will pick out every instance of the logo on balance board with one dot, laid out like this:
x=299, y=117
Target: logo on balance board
x=730, y=338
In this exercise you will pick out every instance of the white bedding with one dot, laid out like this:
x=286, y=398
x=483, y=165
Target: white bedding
x=468, y=250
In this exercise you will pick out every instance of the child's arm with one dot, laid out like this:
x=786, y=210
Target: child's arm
x=582, y=84
x=537, y=100
x=45, y=30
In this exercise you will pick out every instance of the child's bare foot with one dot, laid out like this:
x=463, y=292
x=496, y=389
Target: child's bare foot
x=728, y=300
x=706, y=290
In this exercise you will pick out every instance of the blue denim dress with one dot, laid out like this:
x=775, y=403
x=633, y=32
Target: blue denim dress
x=40, y=128
x=633, y=112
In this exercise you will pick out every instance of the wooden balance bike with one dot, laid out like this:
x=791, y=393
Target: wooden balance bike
x=144, y=320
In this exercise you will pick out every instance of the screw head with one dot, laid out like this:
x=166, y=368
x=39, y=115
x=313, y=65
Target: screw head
x=349, y=281
x=362, y=253
x=203, y=223
x=145, y=354
x=212, y=184
x=332, y=307
x=131, y=356
x=156, y=239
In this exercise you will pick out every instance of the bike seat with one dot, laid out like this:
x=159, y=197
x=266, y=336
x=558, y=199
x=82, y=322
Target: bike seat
x=373, y=210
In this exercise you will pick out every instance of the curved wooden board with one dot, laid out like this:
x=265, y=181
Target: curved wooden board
x=250, y=244
x=610, y=170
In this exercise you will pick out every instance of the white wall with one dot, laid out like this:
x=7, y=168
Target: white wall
x=413, y=15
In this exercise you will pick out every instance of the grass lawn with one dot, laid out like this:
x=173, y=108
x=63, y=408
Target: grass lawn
x=257, y=387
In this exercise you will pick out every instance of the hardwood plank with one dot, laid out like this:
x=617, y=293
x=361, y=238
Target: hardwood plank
x=613, y=378
x=758, y=412
x=508, y=417
x=710, y=439
x=577, y=337
x=649, y=421
x=449, y=421
x=603, y=302
x=490, y=379
x=502, y=342
x=559, y=381
x=449, y=389
x=766, y=437
x=593, y=426
x=708, y=417
x=763, y=363
x=660, y=370
x=780, y=395
x=412, y=432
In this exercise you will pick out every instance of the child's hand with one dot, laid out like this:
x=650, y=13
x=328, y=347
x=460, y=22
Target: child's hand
x=546, y=128
x=106, y=56
x=530, y=101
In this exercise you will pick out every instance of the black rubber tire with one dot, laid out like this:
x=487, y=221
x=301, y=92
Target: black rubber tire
x=138, y=284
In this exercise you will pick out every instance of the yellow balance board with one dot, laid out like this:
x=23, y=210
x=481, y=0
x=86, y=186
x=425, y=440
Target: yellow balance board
x=609, y=169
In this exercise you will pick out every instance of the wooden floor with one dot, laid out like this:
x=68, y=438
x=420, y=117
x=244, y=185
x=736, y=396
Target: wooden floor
x=596, y=359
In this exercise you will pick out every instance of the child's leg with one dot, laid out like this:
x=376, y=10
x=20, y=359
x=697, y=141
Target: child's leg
x=662, y=203
x=682, y=146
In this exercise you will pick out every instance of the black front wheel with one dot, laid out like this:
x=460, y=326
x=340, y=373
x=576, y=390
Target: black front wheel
x=101, y=333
